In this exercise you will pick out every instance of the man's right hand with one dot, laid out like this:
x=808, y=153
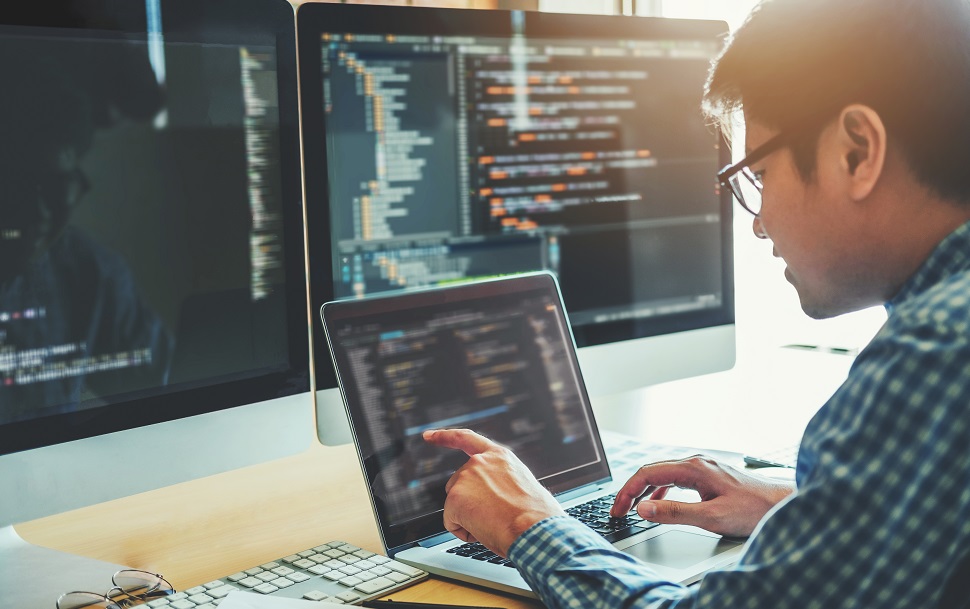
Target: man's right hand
x=732, y=502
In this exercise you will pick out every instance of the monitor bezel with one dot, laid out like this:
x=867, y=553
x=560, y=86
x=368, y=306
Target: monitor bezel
x=315, y=19
x=267, y=22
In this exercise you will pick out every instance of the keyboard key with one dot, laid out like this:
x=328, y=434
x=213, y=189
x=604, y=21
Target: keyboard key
x=319, y=569
x=266, y=588
x=334, y=575
x=195, y=590
x=199, y=599
x=348, y=597
x=270, y=566
x=375, y=585
x=623, y=534
x=250, y=582
x=182, y=604
x=282, y=582
x=298, y=576
x=315, y=595
x=220, y=592
x=397, y=577
x=350, y=581
x=403, y=568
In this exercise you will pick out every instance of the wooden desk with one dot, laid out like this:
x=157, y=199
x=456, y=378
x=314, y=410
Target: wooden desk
x=201, y=530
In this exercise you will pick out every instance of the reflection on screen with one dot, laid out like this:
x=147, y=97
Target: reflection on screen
x=131, y=262
x=503, y=371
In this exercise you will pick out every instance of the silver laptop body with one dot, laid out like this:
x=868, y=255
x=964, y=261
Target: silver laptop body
x=496, y=356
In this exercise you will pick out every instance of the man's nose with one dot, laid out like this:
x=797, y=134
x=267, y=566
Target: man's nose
x=758, y=227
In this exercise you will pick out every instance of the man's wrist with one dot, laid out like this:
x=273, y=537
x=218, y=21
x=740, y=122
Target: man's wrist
x=523, y=522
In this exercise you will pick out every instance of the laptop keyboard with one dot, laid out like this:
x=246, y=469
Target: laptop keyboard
x=595, y=514
x=335, y=572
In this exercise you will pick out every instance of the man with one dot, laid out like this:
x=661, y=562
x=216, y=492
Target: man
x=858, y=134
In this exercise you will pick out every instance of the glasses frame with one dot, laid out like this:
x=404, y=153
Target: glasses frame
x=110, y=598
x=729, y=176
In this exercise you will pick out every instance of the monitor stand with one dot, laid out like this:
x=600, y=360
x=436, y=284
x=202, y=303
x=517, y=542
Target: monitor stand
x=32, y=577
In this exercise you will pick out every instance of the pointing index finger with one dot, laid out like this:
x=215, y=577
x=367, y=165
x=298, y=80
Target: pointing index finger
x=464, y=440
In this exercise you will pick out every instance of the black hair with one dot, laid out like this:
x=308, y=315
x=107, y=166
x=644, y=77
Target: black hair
x=795, y=64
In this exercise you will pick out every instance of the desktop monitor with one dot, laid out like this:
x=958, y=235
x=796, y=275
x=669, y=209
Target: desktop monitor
x=442, y=145
x=153, y=300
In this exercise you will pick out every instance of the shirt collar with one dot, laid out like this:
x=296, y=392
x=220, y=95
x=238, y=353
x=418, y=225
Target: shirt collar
x=950, y=257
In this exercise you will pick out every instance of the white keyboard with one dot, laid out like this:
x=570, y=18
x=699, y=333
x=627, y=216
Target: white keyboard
x=335, y=572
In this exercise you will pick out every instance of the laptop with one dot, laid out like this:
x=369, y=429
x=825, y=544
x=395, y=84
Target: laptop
x=496, y=356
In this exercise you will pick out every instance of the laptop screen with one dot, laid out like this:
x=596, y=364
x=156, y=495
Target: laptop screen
x=493, y=356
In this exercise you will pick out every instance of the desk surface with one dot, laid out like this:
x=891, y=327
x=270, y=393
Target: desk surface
x=205, y=529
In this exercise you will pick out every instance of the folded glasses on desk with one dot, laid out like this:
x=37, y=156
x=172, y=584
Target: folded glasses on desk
x=131, y=587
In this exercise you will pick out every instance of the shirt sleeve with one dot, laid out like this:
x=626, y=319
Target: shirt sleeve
x=569, y=565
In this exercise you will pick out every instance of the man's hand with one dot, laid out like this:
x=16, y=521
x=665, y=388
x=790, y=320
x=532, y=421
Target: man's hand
x=493, y=498
x=732, y=503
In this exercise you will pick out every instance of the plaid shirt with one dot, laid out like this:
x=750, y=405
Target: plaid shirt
x=881, y=517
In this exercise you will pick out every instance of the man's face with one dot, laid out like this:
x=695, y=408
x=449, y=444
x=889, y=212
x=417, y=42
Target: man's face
x=811, y=228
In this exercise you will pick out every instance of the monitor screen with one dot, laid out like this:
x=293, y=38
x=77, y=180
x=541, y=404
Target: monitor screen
x=448, y=145
x=151, y=233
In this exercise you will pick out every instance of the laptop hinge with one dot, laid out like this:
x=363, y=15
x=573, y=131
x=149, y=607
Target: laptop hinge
x=431, y=542
x=576, y=492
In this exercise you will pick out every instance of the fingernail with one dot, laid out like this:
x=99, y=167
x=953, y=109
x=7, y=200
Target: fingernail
x=647, y=510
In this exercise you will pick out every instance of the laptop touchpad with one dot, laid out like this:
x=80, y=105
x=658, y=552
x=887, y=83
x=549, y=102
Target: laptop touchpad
x=679, y=549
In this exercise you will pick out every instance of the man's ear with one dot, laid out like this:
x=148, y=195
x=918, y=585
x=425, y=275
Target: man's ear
x=862, y=149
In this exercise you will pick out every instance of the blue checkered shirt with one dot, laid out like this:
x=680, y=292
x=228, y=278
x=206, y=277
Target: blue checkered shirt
x=881, y=517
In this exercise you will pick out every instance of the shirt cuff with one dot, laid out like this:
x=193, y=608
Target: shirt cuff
x=568, y=564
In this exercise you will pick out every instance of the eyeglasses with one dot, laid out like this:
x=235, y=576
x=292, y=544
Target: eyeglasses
x=131, y=587
x=748, y=190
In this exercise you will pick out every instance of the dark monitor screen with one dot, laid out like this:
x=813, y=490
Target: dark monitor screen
x=447, y=145
x=151, y=236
